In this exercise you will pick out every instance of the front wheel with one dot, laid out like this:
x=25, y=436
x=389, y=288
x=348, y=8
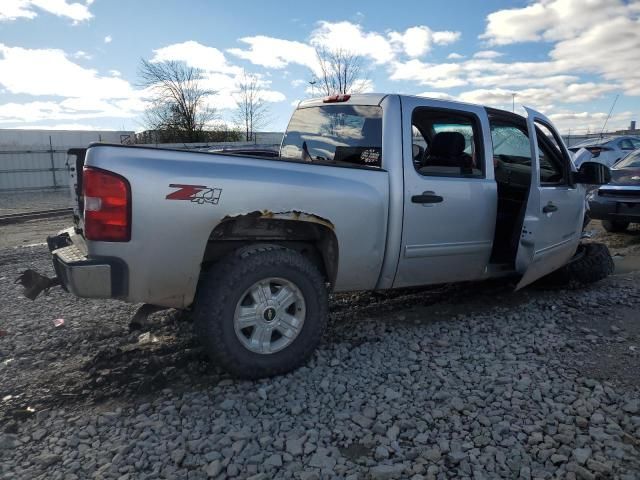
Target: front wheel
x=591, y=263
x=261, y=311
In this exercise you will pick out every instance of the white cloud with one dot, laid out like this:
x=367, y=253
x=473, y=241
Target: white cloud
x=571, y=93
x=350, y=37
x=551, y=20
x=537, y=81
x=446, y=37
x=196, y=55
x=588, y=122
x=81, y=54
x=108, y=39
x=454, y=56
x=69, y=109
x=487, y=54
x=217, y=73
x=272, y=96
x=13, y=9
x=381, y=48
x=50, y=72
x=417, y=41
x=28, y=9
x=275, y=53
x=595, y=36
x=79, y=93
x=438, y=75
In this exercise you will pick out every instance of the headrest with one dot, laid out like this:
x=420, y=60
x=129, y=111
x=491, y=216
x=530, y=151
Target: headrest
x=447, y=144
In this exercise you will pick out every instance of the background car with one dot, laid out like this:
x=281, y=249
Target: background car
x=608, y=150
x=617, y=203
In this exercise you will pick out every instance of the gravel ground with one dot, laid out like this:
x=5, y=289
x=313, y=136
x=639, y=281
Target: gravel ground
x=470, y=381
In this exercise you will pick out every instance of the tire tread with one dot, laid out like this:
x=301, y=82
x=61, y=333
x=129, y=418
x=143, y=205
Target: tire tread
x=217, y=288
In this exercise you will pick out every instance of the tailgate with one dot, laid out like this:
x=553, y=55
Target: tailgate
x=75, y=162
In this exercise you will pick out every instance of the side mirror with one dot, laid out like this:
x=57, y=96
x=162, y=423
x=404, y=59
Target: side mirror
x=592, y=173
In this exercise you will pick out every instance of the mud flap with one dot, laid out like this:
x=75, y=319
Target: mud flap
x=35, y=283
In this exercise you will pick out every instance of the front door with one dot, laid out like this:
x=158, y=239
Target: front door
x=449, y=193
x=555, y=208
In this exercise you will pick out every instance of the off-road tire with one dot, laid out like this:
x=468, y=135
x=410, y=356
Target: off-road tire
x=591, y=263
x=219, y=291
x=613, y=226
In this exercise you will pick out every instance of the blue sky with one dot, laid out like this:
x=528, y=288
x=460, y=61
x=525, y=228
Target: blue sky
x=73, y=63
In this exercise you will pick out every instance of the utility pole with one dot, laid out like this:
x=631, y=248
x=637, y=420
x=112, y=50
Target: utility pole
x=608, y=116
x=313, y=82
x=513, y=102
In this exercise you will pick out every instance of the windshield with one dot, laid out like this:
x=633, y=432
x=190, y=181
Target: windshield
x=630, y=161
x=349, y=135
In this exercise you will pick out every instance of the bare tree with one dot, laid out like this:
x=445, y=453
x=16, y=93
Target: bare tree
x=178, y=107
x=252, y=112
x=340, y=71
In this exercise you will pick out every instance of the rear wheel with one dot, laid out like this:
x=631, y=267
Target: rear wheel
x=261, y=311
x=614, y=226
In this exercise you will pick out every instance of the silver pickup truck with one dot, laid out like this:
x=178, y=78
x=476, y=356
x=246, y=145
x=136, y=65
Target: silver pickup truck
x=368, y=192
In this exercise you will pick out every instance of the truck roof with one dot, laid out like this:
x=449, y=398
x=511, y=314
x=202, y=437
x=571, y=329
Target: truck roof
x=376, y=99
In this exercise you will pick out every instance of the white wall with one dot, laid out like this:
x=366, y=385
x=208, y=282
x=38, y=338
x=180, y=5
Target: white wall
x=35, y=159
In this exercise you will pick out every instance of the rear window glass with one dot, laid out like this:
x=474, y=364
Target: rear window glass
x=347, y=135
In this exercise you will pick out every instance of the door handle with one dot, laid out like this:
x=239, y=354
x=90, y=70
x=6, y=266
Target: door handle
x=427, y=197
x=549, y=208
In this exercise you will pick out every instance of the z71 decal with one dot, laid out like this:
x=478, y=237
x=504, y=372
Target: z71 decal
x=195, y=193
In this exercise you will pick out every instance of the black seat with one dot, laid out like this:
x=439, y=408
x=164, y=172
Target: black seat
x=447, y=150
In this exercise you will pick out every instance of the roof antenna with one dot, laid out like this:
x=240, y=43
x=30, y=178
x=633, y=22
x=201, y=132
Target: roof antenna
x=609, y=116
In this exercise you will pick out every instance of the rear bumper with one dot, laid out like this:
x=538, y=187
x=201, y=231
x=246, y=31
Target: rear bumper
x=83, y=275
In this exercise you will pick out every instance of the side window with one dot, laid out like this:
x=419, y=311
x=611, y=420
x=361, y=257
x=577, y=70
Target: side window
x=552, y=161
x=626, y=144
x=635, y=143
x=511, y=153
x=446, y=143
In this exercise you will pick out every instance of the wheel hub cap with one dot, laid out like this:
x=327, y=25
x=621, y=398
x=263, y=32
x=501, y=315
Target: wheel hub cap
x=269, y=315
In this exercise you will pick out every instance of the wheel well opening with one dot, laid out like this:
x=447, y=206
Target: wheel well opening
x=308, y=234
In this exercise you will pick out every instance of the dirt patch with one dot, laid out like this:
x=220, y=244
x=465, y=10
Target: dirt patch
x=32, y=231
x=623, y=243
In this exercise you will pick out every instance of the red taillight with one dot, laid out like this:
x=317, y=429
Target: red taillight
x=107, y=206
x=336, y=98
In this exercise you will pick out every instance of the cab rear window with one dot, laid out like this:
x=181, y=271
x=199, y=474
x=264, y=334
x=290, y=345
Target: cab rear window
x=345, y=135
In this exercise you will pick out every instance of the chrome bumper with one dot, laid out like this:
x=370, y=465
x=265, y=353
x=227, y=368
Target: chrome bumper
x=86, y=276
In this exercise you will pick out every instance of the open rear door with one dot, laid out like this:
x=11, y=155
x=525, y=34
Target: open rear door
x=555, y=208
